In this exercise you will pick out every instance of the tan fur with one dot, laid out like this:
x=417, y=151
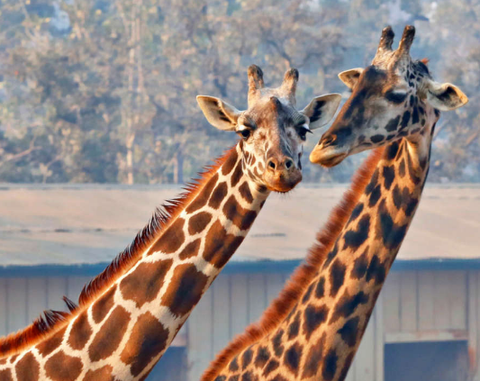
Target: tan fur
x=304, y=274
x=53, y=321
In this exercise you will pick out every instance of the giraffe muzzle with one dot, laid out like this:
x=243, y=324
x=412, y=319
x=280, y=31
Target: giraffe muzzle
x=282, y=175
x=328, y=156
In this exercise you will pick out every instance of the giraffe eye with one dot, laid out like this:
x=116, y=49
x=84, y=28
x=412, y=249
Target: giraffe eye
x=302, y=132
x=395, y=96
x=245, y=134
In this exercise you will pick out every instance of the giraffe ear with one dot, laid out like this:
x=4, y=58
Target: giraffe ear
x=350, y=77
x=219, y=113
x=445, y=96
x=322, y=109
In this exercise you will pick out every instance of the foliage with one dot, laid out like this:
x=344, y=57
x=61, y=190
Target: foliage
x=104, y=91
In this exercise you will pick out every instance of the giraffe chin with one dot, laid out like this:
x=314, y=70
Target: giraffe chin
x=283, y=185
x=327, y=158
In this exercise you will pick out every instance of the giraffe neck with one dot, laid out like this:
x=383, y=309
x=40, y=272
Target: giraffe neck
x=346, y=289
x=125, y=330
x=319, y=336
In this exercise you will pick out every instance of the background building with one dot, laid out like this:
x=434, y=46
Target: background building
x=426, y=325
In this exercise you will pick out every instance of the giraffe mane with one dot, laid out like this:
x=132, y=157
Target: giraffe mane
x=304, y=274
x=51, y=321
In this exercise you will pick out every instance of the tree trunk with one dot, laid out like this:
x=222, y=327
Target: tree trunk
x=129, y=146
x=178, y=171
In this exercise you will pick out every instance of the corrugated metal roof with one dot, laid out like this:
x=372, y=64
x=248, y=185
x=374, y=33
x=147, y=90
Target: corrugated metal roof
x=87, y=224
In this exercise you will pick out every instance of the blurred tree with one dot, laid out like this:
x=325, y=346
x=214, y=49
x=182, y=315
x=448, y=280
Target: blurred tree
x=104, y=91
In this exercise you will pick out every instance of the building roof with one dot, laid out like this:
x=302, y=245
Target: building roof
x=90, y=224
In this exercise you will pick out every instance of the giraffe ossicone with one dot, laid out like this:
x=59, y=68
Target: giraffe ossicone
x=313, y=329
x=129, y=314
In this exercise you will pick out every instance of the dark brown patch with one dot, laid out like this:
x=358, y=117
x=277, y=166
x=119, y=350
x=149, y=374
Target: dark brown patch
x=220, y=246
x=108, y=338
x=233, y=367
x=61, y=367
x=292, y=358
x=245, y=192
x=147, y=340
x=242, y=218
x=80, y=332
x=247, y=358
x=185, y=289
x=320, y=289
x=271, y=366
x=277, y=343
x=201, y=200
x=171, y=239
x=330, y=365
x=263, y=355
x=102, y=374
x=144, y=283
x=349, y=331
x=314, y=358
x=347, y=305
x=103, y=305
x=294, y=327
x=313, y=317
x=237, y=174
x=6, y=375
x=27, y=369
x=360, y=266
x=198, y=222
x=191, y=250
x=49, y=345
x=230, y=163
x=337, y=277
x=218, y=195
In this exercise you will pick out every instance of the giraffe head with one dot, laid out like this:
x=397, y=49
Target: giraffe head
x=392, y=98
x=272, y=130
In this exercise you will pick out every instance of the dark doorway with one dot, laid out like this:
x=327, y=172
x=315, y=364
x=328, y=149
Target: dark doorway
x=436, y=361
x=171, y=367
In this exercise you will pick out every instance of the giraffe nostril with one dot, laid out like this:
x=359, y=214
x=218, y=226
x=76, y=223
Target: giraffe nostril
x=288, y=163
x=271, y=164
x=329, y=139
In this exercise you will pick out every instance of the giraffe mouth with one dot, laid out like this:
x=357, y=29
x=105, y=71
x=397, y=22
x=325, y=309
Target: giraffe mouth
x=327, y=157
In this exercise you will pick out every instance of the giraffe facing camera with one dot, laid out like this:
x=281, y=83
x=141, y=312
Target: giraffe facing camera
x=272, y=129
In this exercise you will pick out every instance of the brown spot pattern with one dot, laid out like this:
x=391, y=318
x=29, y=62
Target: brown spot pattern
x=230, y=163
x=240, y=217
x=148, y=339
x=6, y=375
x=61, y=367
x=108, y=338
x=171, y=239
x=191, y=250
x=27, y=368
x=143, y=284
x=199, y=222
x=102, y=306
x=185, y=289
x=80, y=332
x=218, y=195
x=102, y=374
x=237, y=174
x=219, y=246
x=201, y=200
x=245, y=192
x=49, y=345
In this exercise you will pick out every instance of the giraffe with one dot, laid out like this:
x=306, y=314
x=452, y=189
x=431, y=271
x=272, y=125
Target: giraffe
x=129, y=314
x=313, y=329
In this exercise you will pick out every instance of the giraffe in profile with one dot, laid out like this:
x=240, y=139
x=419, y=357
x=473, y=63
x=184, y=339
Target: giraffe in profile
x=313, y=329
x=129, y=314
